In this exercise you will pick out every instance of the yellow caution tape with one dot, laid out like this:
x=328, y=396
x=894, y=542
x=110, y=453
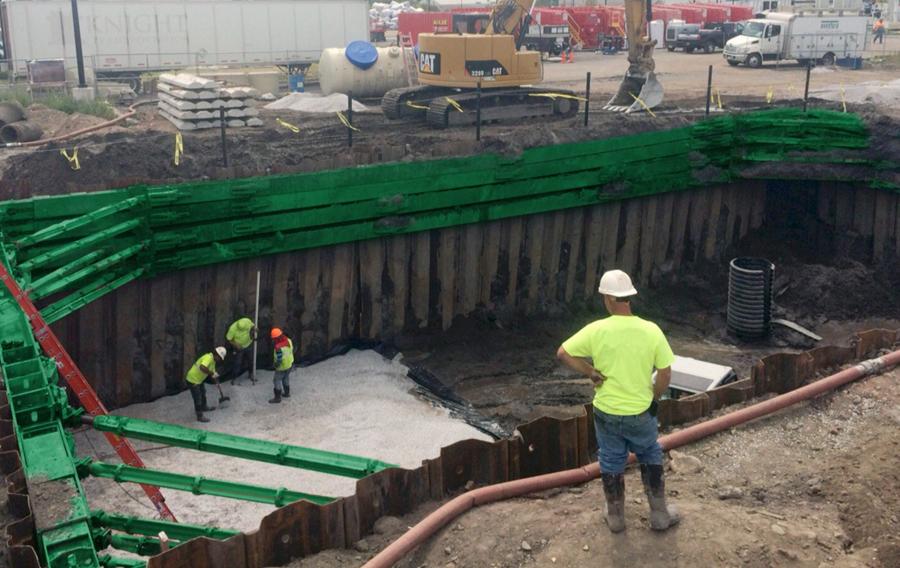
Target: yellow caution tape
x=843, y=100
x=413, y=105
x=558, y=96
x=179, y=148
x=346, y=122
x=454, y=104
x=718, y=99
x=73, y=159
x=770, y=95
x=646, y=108
x=288, y=125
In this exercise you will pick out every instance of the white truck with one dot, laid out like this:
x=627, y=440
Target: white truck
x=808, y=38
x=124, y=37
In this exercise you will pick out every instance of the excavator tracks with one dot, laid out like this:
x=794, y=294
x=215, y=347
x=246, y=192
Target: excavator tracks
x=409, y=102
x=501, y=105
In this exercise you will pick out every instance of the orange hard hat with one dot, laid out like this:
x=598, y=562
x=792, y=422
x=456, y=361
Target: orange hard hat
x=276, y=332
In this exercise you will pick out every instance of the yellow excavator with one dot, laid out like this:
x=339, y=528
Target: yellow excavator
x=452, y=65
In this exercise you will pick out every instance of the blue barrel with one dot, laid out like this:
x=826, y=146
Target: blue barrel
x=295, y=82
x=361, y=54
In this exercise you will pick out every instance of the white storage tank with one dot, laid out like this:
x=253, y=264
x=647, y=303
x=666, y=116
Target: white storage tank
x=338, y=75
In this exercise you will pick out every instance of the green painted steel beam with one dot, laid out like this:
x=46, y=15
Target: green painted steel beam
x=238, y=446
x=152, y=527
x=75, y=301
x=140, y=545
x=63, y=227
x=98, y=267
x=109, y=561
x=67, y=269
x=80, y=244
x=200, y=485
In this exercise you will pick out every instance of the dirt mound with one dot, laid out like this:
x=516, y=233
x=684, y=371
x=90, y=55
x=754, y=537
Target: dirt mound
x=56, y=122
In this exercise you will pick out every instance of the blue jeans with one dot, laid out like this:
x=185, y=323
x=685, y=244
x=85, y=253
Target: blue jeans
x=282, y=380
x=618, y=435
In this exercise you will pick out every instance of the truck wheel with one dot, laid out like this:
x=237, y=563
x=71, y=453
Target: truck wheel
x=754, y=60
x=828, y=59
x=671, y=48
x=709, y=48
x=689, y=50
x=732, y=63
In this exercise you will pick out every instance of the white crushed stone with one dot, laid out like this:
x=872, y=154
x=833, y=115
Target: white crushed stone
x=310, y=102
x=359, y=403
x=876, y=92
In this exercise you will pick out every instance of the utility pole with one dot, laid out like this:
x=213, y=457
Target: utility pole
x=79, y=56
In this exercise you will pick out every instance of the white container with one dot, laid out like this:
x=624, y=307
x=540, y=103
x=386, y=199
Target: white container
x=338, y=75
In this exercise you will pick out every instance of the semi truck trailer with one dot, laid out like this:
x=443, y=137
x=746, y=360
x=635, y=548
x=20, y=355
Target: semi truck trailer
x=121, y=38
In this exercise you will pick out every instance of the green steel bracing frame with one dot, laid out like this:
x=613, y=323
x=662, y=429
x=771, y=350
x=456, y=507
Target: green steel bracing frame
x=239, y=446
x=151, y=527
x=118, y=562
x=81, y=246
x=198, y=485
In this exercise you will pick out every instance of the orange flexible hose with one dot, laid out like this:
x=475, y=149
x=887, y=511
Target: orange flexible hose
x=132, y=110
x=501, y=491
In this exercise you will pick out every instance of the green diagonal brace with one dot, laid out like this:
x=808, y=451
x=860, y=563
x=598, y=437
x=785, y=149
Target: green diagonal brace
x=71, y=224
x=77, y=300
x=99, y=266
x=85, y=243
x=200, y=485
x=65, y=269
x=238, y=446
x=152, y=527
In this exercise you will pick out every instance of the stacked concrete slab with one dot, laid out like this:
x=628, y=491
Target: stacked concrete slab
x=191, y=102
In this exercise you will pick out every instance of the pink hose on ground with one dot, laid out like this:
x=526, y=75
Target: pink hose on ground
x=501, y=491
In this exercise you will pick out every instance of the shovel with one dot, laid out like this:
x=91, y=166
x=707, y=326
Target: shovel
x=222, y=397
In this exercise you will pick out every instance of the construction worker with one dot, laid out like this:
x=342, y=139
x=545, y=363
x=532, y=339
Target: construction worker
x=624, y=349
x=284, y=363
x=203, y=368
x=241, y=334
x=878, y=31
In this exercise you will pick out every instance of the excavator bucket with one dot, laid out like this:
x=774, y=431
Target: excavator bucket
x=638, y=92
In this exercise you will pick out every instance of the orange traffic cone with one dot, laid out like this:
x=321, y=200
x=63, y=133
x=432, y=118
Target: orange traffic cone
x=562, y=57
x=571, y=56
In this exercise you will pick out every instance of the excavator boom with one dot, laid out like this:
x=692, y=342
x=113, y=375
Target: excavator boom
x=639, y=90
x=507, y=15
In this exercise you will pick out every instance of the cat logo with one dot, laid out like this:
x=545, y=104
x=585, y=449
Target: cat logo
x=430, y=63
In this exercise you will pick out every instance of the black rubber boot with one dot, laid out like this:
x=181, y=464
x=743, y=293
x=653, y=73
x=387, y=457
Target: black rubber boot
x=614, y=488
x=287, y=392
x=207, y=408
x=661, y=515
x=201, y=418
x=277, y=398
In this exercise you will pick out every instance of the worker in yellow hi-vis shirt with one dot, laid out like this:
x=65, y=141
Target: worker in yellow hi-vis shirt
x=624, y=350
x=241, y=335
x=204, y=367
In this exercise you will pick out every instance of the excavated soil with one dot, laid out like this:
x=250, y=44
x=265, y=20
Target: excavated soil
x=814, y=485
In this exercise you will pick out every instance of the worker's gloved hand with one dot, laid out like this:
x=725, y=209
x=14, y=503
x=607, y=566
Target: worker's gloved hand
x=597, y=379
x=654, y=408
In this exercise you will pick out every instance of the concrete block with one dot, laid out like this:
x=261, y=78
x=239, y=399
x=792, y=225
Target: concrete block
x=254, y=122
x=187, y=81
x=83, y=93
x=179, y=104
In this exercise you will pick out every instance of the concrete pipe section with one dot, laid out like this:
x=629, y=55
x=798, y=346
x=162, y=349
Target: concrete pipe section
x=502, y=491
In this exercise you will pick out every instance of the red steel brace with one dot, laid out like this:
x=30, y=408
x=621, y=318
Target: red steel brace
x=79, y=385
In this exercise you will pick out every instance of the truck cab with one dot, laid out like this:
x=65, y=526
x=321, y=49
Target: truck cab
x=760, y=40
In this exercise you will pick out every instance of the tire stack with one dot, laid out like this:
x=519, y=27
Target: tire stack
x=15, y=127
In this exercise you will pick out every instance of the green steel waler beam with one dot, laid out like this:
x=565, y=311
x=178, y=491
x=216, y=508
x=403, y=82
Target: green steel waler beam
x=77, y=300
x=238, y=446
x=118, y=562
x=80, y=244
x=152, y=527
x=63, y=227
x=199, y=485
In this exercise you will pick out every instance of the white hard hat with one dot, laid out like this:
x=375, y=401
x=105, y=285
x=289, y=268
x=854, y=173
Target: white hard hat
x=616, y=283
x=221, y=352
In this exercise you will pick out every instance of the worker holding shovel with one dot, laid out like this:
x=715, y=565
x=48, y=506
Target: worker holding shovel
x=203, y=368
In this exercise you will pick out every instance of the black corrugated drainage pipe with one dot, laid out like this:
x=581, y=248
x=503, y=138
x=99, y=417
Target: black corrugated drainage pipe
x=750, y=297
x=428, y=526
